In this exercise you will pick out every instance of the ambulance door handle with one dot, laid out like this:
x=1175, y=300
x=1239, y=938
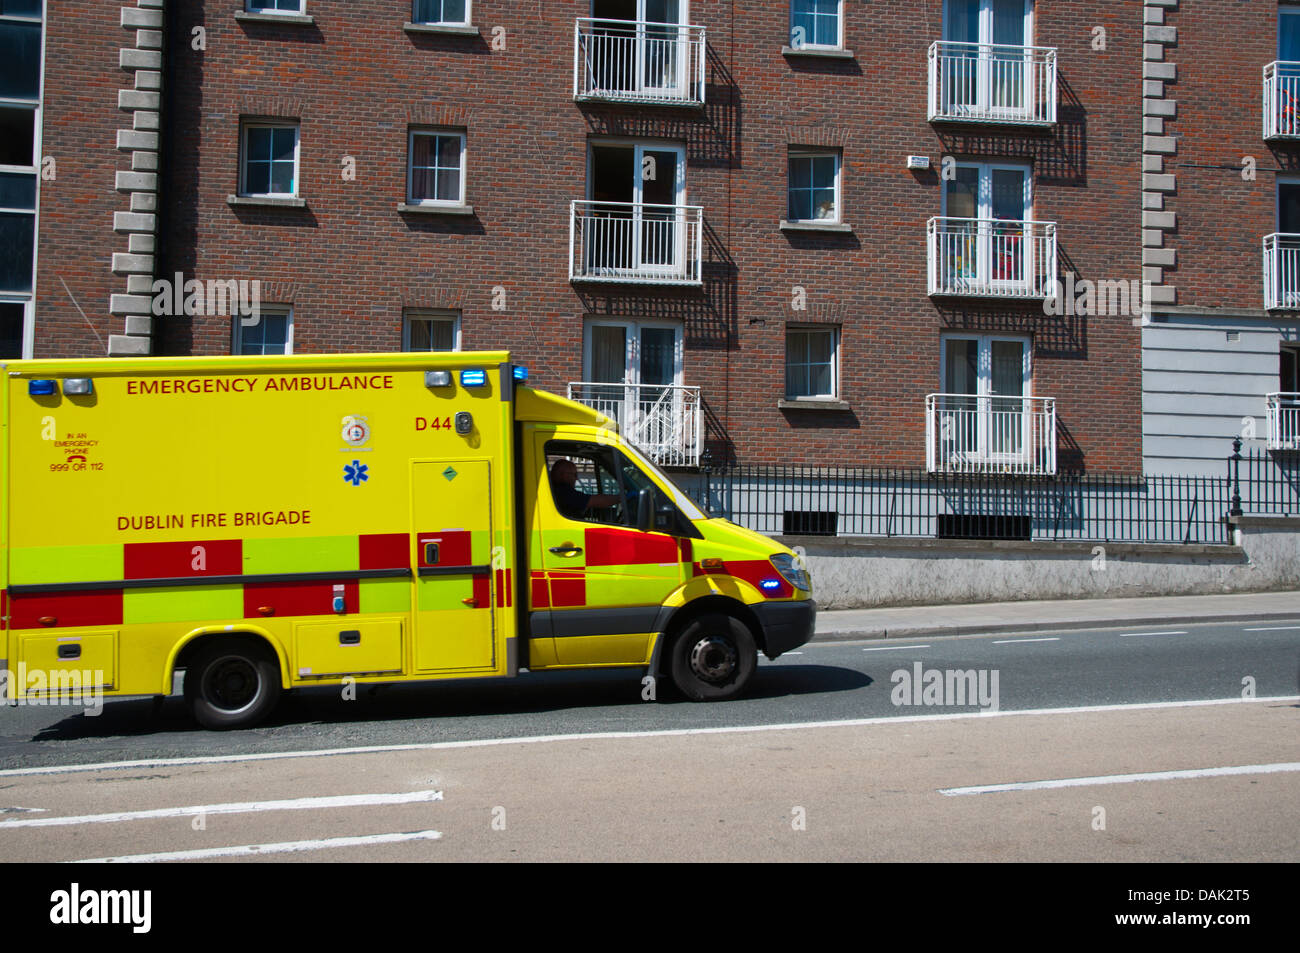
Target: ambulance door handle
x=567, y=550
x=430, y=554
x=350, y=637
x=69, y=651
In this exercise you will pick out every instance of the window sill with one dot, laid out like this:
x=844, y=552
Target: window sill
x=448, y=29
x=290, y=19
x=812, y=403
x=824, y=52
x=437, y=209
x=814, y=226
x=266, y=201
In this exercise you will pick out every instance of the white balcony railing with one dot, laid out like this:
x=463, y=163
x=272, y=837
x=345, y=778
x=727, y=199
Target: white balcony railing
x=635, y=243
x=1282, y=100
x=966, y=433
x=991, y=258
x=1282, y=272
x=986, y=82
x=638, y=62
x=1284, y=421
x=663, y=422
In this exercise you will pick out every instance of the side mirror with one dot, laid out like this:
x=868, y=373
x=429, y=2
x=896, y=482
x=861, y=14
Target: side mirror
x=645, y=511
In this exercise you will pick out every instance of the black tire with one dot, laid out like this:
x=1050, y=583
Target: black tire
x=234, y=683
x=713, y=658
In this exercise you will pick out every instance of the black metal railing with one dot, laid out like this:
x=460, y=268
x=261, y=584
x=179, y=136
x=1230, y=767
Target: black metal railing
x=912, y=502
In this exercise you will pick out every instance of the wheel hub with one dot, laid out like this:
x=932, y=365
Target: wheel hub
x=232, y=684
x=714, y=659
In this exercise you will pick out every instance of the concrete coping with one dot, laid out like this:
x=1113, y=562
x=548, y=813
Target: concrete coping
x=817, y=51
x=266, y=201
x=288, y=19
x=788, y=226
x=863, y=545
x=801, y=403
x=1265, y=522
x=447, y=29
x=436, y=209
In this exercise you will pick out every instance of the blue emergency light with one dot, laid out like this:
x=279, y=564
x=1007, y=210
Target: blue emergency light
x=41, y=388
x=474, y=378
x=770, y=585
x=520, y=373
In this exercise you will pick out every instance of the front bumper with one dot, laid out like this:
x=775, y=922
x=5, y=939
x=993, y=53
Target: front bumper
x=786, y=625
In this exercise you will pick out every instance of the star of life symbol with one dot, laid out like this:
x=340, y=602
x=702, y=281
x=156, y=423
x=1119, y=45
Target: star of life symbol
x=356, y=473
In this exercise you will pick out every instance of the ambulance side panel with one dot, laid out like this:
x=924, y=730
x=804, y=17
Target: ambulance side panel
x=327, y=506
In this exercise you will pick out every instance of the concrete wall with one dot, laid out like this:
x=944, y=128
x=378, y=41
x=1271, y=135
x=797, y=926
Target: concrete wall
x=1201, y=377
x=870, y=573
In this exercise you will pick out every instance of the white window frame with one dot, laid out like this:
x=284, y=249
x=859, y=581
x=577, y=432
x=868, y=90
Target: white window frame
x=984, y=212
x=834, y=332
x=246, y=126
x=806, y=44
x=274, y=311
x=469, y=17
x=632, y=354
x=984, y=395
x=431, y=315
x=986, y=21
x=414, y=131
x=804, y=152
x=268, y=7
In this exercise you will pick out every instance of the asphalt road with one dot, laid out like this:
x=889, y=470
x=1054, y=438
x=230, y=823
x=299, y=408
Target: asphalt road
x=826, y=681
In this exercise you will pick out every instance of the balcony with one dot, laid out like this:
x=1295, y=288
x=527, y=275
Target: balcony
x=1284, y=421
x=1282, y=272
x=991, y=258
x=965, y=433
x=626, y=61
x=1282, y=100
x=635, y=243
x=991, y=83
x=663, y=422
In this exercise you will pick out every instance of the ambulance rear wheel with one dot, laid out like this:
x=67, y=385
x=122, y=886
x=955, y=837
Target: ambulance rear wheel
x=713, y=658
x=232, y=684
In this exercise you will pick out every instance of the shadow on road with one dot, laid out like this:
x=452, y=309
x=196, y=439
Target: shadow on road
x=609, y=699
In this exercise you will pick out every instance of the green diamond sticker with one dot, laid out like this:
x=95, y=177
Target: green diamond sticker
x=450, y=473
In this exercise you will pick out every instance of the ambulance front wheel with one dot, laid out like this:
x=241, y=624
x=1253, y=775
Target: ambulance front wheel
x=232, y=684
x=713, y=658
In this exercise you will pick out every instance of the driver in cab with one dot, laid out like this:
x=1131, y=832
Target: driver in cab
x=569, y=500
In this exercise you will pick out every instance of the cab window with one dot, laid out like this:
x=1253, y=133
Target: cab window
x=595, y=483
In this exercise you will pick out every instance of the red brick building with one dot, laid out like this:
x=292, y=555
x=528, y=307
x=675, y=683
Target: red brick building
x=757, y=231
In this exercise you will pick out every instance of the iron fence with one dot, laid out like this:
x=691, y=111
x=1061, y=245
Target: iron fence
x=912, y=502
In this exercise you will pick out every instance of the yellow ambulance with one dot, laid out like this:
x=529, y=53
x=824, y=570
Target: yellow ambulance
x=270, y=523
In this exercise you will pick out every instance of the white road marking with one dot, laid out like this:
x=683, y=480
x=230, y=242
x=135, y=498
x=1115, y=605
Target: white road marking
x=1136, y=635
x=1126, y=778
x=255, y=850
x=896, y=648
x=246, y=807
x=1274, y=628
x=628, y=735
x=1014, y=641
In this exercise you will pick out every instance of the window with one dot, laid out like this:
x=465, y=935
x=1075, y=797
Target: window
x=1289, y=370
x=17, y=230
x=985, y=414
x=271, y=332
x=814, y=185
x=816, y=24
x=437, y=168
x=275, y=6
x=596, y=483
x=450, y=12
x=811, y=359
x=431, y=331
x=12, y=319
x=270, y=164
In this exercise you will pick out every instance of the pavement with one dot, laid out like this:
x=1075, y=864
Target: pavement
x=995, y=617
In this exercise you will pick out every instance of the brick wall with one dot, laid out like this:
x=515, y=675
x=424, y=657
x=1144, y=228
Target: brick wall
x=349, y=262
